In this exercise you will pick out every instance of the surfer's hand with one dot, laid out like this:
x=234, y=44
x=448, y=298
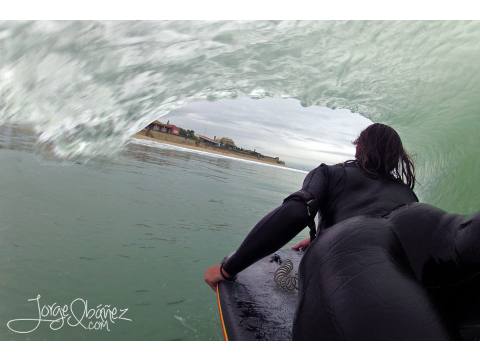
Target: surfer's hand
x=301, y=245
x=213, y=276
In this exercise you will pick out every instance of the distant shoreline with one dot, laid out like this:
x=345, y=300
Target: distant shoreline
x=181, y=142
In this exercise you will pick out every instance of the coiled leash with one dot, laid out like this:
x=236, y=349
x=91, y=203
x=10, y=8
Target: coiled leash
x=283, y=276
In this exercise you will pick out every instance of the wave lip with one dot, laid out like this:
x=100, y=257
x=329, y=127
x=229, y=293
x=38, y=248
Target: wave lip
x=87, y=87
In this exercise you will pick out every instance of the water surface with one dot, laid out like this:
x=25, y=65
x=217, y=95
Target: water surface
x=136, y=231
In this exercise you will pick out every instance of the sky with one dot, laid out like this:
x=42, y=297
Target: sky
x=302, y=137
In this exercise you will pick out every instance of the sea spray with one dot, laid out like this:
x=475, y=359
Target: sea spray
x=87, y=87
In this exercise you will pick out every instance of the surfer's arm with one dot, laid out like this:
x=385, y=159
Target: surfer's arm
x=279, y=226
x=272, y=232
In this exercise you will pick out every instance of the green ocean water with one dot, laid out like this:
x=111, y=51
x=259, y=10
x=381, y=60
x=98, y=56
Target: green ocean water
x=87, y=86
x=136, y=232
x=84, y=215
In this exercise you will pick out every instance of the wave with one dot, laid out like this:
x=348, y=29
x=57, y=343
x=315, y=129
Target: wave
x=87, y=87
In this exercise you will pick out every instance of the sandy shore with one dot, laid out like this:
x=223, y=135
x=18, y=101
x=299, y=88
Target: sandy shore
x=183, y=143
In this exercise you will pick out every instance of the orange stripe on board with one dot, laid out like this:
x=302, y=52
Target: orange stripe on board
x=222, y=323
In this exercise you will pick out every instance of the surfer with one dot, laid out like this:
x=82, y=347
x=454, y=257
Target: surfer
x=376, y=250
x=380, y=179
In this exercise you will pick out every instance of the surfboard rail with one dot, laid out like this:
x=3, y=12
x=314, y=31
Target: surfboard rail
x=255, y=306
x=220, y=313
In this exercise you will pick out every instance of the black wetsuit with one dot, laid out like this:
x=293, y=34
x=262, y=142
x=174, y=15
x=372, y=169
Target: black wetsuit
x=411, y=275
x=382, y=266
x=342, y=190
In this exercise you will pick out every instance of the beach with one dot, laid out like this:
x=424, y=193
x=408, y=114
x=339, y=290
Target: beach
x=189, y=144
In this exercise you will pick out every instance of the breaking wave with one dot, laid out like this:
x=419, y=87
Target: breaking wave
x=86, y=87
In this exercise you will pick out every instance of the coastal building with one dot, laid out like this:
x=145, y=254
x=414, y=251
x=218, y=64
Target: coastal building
x=225, y=145
x=202, y=139
x=164, y=128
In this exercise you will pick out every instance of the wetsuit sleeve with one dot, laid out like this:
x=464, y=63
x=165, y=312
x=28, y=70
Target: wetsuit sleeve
x=277, y=228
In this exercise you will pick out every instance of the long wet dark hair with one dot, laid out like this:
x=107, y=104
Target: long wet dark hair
x=380, y=153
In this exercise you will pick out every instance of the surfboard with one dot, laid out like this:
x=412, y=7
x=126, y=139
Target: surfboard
x=256, y=307
x=260, y=304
